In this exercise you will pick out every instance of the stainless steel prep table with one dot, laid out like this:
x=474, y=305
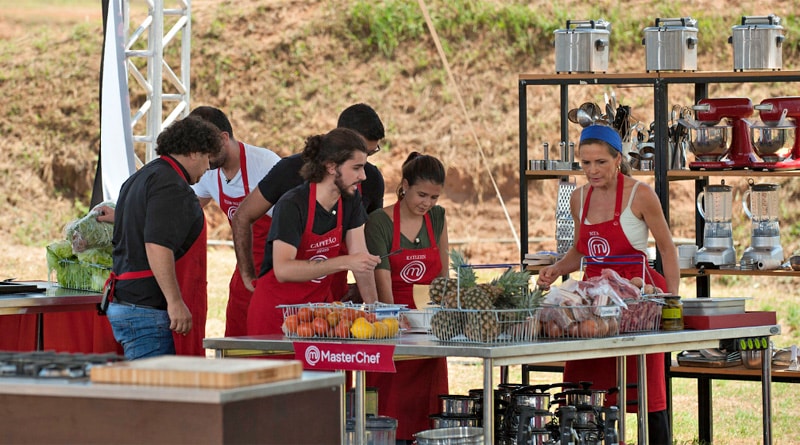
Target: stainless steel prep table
x=639, y=344
x=53, y=298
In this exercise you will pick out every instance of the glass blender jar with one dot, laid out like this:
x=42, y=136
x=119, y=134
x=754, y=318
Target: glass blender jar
x=714, y=204
x=765, y=251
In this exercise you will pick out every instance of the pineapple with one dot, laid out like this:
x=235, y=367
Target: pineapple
x=482, y=326
x=447, y=324
x=444, y=291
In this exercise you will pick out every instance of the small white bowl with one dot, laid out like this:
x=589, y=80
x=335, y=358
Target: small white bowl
x=417, y=319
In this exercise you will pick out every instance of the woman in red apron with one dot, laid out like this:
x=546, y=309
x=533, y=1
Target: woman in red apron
x=614, y=219
x=412, y=393
x=310, y=224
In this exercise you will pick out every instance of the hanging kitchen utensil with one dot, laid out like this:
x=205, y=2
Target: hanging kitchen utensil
x=572, y=115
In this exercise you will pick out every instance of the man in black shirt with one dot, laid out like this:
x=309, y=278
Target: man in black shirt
x=285, y=175
x=159, y=242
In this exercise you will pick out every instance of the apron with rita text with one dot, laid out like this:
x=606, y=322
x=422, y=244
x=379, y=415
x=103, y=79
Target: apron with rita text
x=608, y=239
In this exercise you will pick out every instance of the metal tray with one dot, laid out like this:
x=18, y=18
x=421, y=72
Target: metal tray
x=17, y=288
x=714, y=306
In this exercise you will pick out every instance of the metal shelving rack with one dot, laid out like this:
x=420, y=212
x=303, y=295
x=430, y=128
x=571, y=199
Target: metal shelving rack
x=660, y=82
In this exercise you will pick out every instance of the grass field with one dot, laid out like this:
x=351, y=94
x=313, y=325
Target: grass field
x=737, y=405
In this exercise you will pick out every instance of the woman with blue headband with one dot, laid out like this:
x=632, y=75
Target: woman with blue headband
x=614, y=213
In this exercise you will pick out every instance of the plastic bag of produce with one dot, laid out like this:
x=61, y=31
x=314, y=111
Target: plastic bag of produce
x=87, y=232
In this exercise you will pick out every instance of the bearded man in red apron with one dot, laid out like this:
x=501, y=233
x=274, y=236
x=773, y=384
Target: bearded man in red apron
x=235, y=173
x=310, y=225
x=614, y=214
x=417, y=227
x=158, y=281
x=285, y=176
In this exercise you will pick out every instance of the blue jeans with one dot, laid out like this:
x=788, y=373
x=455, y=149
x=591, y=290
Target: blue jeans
x=142, y=331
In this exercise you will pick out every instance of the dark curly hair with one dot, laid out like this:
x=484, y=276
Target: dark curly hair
x=189, y=135
x=336, y=146
x=419, y=167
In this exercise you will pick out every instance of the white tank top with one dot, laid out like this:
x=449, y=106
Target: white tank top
x=635, y=229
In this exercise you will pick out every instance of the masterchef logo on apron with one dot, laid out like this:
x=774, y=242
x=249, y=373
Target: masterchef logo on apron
x=598, y=246
x=413, y=271
x=318, y=258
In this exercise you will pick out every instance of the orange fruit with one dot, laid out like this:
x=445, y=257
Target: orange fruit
x=333, y=318
x=305, y=314
x=290, y=324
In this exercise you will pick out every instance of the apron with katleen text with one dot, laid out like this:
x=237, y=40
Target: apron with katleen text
x=412, y=393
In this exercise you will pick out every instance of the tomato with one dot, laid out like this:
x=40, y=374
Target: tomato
x=371, y=317
x=349, y=314
x=320, y=326
x=305, y=329
x=305, y=314
x=342, y=330
x=321, y=312
x=290, y=324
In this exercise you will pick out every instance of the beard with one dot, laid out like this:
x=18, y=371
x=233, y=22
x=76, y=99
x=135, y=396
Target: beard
x=219, y=161
x=346, y=191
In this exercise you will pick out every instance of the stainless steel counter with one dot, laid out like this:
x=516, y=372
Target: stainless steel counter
x=53, y=298
x=419, y=345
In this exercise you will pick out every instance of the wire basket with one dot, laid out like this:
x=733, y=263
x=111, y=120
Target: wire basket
x=456, y=321
x=485, y=326
x=641, y=315
x=341, y=320
x=79, y=275
x=567, y=322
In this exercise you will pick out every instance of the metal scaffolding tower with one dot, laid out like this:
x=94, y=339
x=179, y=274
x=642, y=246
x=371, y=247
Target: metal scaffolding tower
x=161, y=71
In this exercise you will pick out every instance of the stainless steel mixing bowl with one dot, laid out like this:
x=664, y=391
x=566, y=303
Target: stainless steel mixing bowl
x=709, y=143
x=772, y=144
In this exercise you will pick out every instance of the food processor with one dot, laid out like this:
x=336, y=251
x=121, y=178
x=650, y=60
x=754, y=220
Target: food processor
x=714, y=204
x=775, y=141
x=765, y=241
x=722, y=147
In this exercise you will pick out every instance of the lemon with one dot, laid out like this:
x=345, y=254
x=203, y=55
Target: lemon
x=362, y=329
x=381, y=329
x=393, y=324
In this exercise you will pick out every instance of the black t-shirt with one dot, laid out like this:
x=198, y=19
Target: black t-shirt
x=285, y=175
x=156, y=205
x=291, y=213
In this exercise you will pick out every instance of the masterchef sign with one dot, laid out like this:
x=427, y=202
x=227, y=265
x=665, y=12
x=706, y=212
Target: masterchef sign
x=345, y=357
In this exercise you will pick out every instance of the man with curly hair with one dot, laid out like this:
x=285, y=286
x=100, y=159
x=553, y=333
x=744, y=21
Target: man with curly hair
x=157, y=284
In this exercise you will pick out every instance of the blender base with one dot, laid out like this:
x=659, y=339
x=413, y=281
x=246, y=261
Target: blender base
x=716, y=256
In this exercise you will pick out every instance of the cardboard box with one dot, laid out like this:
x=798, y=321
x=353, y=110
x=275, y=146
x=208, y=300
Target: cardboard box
x=756, y=318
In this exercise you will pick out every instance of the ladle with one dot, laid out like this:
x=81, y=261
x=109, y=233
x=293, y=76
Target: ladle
x=584, y=118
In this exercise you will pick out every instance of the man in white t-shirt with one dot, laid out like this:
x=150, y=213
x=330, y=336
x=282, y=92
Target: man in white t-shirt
x=233, y=175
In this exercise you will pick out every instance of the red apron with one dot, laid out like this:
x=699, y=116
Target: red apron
x=263, y=317
x=339, y=286
x=238, y=295
x=401, y=395
x=194, y=291
x=606, y=239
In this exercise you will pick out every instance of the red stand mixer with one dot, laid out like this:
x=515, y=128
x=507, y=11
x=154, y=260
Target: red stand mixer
x=709, y=141
x=775, y=142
